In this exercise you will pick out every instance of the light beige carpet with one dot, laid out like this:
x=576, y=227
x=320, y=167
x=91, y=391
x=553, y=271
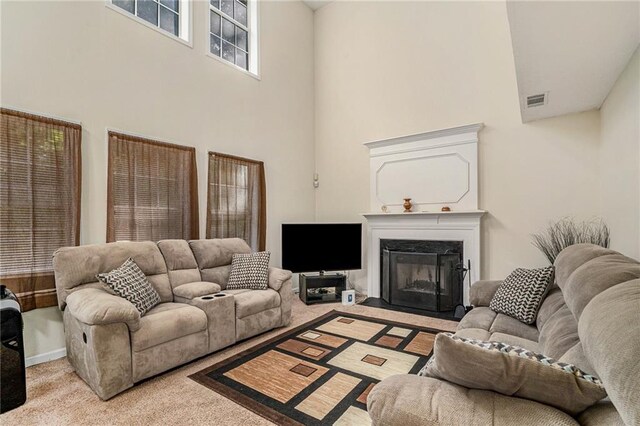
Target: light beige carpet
x=55, y=395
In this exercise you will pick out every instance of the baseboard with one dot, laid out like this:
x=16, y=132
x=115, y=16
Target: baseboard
x=45, y=357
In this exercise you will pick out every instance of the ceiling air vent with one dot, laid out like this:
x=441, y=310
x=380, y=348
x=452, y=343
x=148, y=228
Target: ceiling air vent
x=536, y=100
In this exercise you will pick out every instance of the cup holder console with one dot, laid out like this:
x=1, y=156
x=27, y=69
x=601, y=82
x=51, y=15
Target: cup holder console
x=213, y=296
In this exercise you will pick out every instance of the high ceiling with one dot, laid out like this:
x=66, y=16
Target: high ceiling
x=316, y=4
x=570, y=51
x=573, y=51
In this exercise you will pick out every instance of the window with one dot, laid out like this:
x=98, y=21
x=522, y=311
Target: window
x=231, y=31
x=40, y=173
x=152, y=191
x=236, y=199
x=168, y=15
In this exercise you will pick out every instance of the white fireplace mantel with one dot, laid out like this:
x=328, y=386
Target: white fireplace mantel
x=439, y=226
x=436, y=169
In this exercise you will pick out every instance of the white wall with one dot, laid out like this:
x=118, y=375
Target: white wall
x=386, y=69
x=620, y=160
x=83, y=61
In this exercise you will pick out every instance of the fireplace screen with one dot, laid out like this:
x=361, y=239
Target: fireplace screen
x=429, y=281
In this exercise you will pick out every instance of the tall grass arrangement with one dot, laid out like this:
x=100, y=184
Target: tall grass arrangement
x=566, y=232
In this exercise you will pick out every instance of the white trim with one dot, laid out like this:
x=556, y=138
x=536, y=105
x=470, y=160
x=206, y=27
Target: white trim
x=46, y=357
x=452, y=226
x=173, y=37
x=138, y=135
x=234, y=66
x=53, y=117
x=253, y=30
x=460, y=130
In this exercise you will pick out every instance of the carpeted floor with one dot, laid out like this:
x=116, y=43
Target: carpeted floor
x=56, y=395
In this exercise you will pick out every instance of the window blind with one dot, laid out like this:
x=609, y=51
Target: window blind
x=152, y=190
x=40, y=180
x=236, y=199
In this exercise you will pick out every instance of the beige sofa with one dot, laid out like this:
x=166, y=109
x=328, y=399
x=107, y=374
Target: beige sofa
x=590, y=319
x=111, y=347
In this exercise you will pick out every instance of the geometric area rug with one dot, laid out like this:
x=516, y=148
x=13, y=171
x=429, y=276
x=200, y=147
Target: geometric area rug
x=321, y=372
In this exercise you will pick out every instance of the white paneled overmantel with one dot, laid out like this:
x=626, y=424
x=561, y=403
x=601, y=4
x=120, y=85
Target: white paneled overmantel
x=435, y=169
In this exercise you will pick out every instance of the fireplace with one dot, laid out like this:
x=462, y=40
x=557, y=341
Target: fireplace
x=422, y=274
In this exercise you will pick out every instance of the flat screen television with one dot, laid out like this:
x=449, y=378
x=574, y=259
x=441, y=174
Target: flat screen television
x=316, y=247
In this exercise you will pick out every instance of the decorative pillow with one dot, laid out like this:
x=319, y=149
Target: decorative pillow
x=129, y=282
x=250, y=271
x=512, y=371
x=522, y=292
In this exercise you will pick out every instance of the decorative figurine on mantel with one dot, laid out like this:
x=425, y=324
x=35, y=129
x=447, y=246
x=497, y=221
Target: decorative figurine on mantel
x=446, y=209
x=407, y=205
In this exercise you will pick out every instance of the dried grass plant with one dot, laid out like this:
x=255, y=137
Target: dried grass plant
x=566, y=232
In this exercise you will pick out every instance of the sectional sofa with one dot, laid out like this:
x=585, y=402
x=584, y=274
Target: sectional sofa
x=591, y=319
x=112, y=347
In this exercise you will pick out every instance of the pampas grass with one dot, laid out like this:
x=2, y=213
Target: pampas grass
x=566, y=232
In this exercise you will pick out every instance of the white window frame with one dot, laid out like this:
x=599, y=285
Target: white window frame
x=185, y=29
x=252, y=28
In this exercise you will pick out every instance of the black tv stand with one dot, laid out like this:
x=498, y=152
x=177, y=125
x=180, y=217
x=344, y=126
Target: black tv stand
x=322, y=288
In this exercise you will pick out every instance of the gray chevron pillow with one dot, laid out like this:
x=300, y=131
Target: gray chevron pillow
x=522, y=292
x=249, y=271
x=129, y=282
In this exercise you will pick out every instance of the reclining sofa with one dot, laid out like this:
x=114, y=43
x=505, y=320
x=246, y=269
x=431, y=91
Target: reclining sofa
x=111, y=346
x=591, y=319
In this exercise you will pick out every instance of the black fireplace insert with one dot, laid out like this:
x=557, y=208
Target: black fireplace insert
x=422, y=274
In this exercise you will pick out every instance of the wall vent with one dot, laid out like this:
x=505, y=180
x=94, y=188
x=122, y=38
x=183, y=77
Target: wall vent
x=536, y=100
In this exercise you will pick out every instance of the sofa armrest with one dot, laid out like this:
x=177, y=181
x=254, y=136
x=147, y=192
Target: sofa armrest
x=481, y=292
x=94, y=306
x=277, y=277
x=411, y=400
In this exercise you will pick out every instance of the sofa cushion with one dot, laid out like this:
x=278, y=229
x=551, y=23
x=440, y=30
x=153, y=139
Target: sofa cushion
x=409, y=400
x=181, y=263
x=559, y=333
x=512, y=340
x=575, y=355
x=522, y=292
x=513, y=371
x=508, y=325
x=196, y=289
x=177, y=254
x=474, y=333
x=481, y=317
x=217, y=252
x=78, y=266
x=249, y=270
x=218, y=275
x=481, y=292
x=129, y=282
x=601, y=414
x=166, y=322
x=572, y=257
x=610, y=337
x=550, y=304
x=236, y=291
x=596, y=276
x=254, y=301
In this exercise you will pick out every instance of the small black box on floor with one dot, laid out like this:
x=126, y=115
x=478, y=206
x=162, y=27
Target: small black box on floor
x=13, y=391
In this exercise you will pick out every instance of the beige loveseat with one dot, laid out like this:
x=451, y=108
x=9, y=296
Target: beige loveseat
x=111, y=347
x=590, y=319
